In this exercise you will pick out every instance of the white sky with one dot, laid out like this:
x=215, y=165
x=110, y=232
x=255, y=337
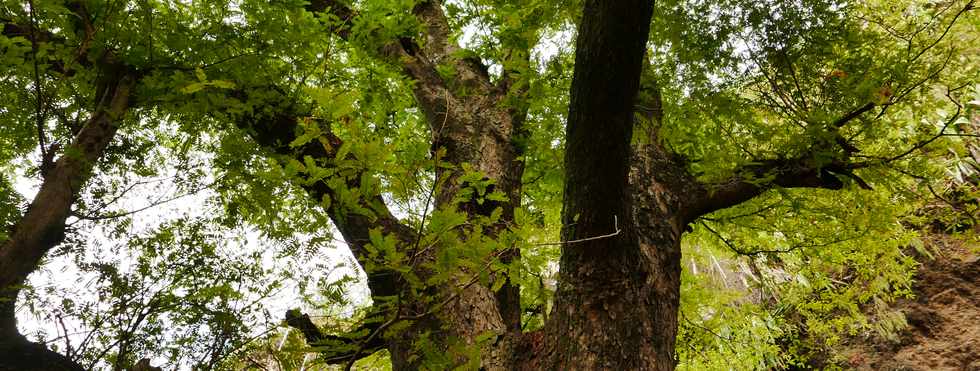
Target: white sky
x=61, y=274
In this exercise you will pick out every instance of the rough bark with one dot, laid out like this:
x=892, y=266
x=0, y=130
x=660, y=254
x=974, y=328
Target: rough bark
x=468, y=125
x=617, y=298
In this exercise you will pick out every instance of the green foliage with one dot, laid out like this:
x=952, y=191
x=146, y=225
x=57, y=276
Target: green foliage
x=180, y=292
x=10, y=203
x=765, y=284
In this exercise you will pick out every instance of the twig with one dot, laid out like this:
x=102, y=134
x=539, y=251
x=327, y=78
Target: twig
x=748, y=214
x=775, y=251
x=875, y=160
x=151, y=205
x=37, y=88
x=615, y=224
x=968, y=6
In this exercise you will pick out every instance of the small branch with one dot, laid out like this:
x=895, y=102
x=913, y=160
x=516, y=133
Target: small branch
x=753, y=253
x=729, y=244
x=416, y=253
x=852, y=115
x=756, y=212
x=969, y=6
x=727, y=339
x=955, y=206
x=38, y=113
x=64, y=329
x=151, y=205
x=796, y=81
x=920, y=144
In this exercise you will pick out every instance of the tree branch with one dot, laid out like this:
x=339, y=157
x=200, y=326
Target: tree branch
x=805, y=171
x=275, y=127
x=10, y=28
x=337, y=349
x=852, y=115
x=418, y=59
x=752, y=180
x=918, y=145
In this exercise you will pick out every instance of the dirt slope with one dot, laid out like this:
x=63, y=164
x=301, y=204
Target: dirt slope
x=943, y=330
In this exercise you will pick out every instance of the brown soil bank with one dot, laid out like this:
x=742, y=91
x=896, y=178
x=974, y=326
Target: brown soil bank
x=943, y=330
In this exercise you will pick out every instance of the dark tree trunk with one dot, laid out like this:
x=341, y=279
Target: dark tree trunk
x=619, y=278
x=617, y=299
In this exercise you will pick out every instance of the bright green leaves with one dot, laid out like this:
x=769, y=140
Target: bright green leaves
x=309, y=130
x=773, y=79
x=381, y=22
x=335, y=104
x=10, y=203
x=203, y=82
x=477, y=187
x=387, y=248
x=742, y=81
x=809, y=265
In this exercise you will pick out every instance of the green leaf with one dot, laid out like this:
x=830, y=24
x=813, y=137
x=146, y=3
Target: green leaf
x=193, y=88
x=223, y=84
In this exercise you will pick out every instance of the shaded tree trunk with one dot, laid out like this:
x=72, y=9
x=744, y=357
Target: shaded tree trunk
x=618, y=296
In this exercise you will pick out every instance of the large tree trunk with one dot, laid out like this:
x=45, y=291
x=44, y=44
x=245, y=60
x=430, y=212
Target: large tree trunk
x=619, y=278
x=617, y=299
x=625, y=209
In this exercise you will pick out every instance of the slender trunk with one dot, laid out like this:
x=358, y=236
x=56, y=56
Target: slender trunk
x=43, y=226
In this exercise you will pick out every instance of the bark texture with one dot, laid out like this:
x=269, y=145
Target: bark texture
x=468, y=125
x=617, y=297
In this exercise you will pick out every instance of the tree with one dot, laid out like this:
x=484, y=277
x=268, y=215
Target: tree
x=665, y=125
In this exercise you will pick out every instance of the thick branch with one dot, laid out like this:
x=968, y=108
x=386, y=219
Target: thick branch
x=752, y=180
x=802, y=172
x=337, y=349
x=418, y=59
x=83, y=26
x=11, y=29
x=436, y=46
x=853, y=115
x=276, y=130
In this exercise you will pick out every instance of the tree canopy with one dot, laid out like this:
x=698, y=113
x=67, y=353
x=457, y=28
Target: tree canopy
x=496, y=184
